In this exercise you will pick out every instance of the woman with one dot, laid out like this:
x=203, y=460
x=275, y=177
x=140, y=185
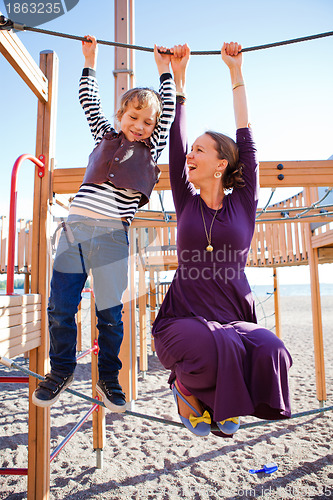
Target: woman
x=223, y=365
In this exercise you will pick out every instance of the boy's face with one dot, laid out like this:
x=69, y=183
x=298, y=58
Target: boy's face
x=138, y=124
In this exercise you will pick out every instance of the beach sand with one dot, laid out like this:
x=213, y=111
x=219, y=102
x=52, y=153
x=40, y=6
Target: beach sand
x=144, y=460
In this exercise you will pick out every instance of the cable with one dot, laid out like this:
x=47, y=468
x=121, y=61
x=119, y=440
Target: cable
x=8, y=24
x=11, y=364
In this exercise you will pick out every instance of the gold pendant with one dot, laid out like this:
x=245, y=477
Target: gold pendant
x=209, y=248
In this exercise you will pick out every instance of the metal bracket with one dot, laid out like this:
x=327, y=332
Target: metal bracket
x=8, y=24
x=130, y=72
x=41, y=170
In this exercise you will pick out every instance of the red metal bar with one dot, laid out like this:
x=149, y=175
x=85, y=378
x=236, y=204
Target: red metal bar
x=83, y=354
x=13, y=472
x=12, y=214
x=14, y=380
x=72, y=432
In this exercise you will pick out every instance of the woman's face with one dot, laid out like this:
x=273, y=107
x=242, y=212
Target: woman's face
x=202, y=161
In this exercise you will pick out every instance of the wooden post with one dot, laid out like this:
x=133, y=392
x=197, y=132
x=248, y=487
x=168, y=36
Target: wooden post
x=39, y=418
x=142, y=305
x=128, y=351
x=310, y=197
x=124, y=33
x=123, y=81
x=98, y=416
x=152, y=303
x=277, y=305
x=79, y=328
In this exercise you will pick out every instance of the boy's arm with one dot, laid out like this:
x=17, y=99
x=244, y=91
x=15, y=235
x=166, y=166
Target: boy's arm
x=89, y=93
x=167, y=92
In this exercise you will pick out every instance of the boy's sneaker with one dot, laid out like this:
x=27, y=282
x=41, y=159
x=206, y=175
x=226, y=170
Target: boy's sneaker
x=49, y=390
x=112, y=395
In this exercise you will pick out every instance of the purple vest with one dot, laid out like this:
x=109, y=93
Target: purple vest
x=126, y=164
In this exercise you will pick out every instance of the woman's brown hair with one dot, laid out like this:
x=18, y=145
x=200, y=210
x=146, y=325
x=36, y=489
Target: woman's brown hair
x=227, y=150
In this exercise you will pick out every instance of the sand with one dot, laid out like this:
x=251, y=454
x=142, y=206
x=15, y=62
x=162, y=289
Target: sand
x=144, y=460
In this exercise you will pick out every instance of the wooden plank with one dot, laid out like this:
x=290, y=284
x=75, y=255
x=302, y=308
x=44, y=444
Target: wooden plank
x=143, y=361
x=7, y=344
x=20, y=349
x=19, y=58
x=162, y=261
x=325, y=255
x=79, y=328
x=322, y=240
x=132, y=311
x=296, y=227
x=19, y=330
x=254, y=248
x=277, y=303
x=276, y=247
x=296, y=173
x=20, y=245
x=4, y=236
x=262, y=255
x=67, y=180
x=19, y=300
x=152, y=302
x=316, y=311
x=28, y=252
x=289, y=239
x=282, y=243
x=18, y=319
x=304, y=241
x=269, y=244
x=98, y=417
x=18, y=309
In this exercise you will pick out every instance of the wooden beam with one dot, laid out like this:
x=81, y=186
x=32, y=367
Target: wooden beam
x=310, y=194
x=295, y=174
x=19, y=58
x=322, y=240
x=277, y=303
x=39, y=418
x=325, y=255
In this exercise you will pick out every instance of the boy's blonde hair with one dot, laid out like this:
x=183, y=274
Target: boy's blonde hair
x=144, y=96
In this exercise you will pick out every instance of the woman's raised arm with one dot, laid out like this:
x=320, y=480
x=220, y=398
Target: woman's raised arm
x=232, y=56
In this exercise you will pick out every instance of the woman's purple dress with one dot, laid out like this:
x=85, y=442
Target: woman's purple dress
x=206, y=331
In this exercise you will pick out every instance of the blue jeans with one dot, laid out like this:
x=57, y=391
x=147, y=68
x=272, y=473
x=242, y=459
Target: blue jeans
x=102, y=247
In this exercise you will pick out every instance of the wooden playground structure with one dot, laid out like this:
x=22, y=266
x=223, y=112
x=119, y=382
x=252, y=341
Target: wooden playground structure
x=284, y=236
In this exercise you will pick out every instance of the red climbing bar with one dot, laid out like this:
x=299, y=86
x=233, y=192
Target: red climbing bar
x=13, y=472
x=40, y=162
x=14, y=380
x=94, y=349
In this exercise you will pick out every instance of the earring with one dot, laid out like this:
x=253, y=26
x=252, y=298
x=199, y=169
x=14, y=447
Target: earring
x=217, y=174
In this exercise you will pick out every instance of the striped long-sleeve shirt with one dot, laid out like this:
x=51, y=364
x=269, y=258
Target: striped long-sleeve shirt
x=105, y=198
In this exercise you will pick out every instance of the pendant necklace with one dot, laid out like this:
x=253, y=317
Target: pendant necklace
x=209, y=247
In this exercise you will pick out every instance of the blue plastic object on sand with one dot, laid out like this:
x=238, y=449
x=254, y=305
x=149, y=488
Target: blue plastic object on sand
x=268, y=469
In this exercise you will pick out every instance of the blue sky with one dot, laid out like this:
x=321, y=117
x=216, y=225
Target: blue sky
x=289, y=88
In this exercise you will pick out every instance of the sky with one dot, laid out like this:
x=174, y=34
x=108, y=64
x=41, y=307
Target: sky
x=289, y=88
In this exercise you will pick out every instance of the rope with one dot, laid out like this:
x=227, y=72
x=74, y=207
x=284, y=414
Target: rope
x=11, y=364
x=8, y=24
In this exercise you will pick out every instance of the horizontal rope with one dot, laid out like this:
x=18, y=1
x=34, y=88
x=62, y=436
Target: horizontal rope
x=7, y=24
x=12, y=364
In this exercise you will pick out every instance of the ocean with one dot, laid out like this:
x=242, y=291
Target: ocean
x=292, y=290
